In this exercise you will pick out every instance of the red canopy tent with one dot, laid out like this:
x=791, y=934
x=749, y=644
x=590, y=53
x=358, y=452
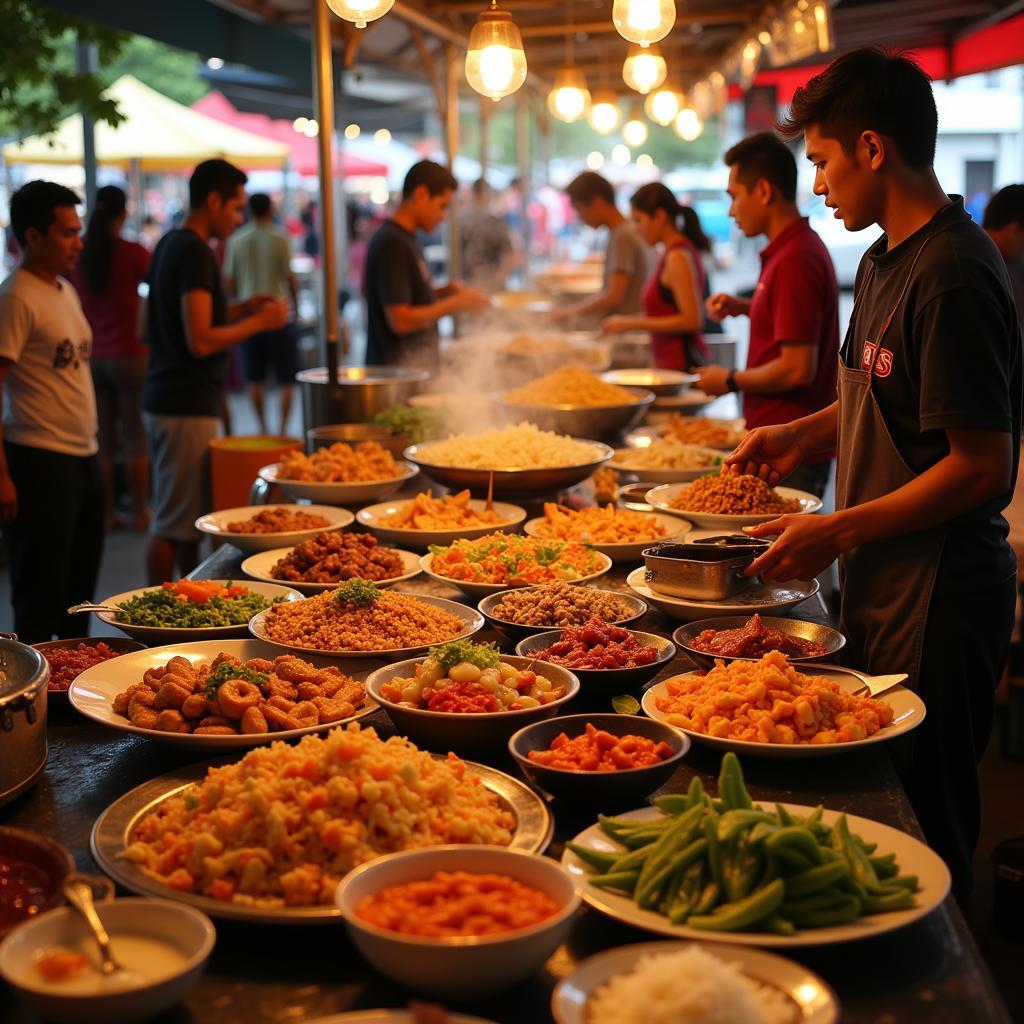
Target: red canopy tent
x=303, y=149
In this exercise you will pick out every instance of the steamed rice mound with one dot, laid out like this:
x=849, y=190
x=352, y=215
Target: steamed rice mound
x=284, y=825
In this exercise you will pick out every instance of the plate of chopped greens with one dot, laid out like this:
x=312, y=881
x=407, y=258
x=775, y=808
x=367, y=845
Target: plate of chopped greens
x=190, y=609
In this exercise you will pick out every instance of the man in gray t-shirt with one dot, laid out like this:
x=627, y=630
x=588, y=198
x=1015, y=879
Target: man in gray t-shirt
x=627, y=263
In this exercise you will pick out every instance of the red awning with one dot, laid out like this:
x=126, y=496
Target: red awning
x=303, y=157
x=998, y=46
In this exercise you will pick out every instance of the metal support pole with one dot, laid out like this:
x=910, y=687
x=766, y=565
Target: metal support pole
x=485, y=135
x=341, y=199
x=86, y=58
x=523, y=160
x=323, y=94
x=452, y=146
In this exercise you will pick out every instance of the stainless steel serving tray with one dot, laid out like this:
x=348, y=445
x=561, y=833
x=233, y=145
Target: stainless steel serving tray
x=701, y=571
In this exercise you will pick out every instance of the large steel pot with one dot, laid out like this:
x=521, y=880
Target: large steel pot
x=24, y=673
x=361, y=393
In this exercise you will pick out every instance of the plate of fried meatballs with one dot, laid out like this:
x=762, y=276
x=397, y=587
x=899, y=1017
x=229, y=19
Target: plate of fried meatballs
x=222, y=694
x=254, y=528
x=329, y=559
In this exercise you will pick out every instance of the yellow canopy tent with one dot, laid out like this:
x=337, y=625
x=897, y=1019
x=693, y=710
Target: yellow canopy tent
x=157, y=135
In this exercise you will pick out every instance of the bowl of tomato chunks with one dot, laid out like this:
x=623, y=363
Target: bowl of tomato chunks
x=599, y=759
x=605, y=657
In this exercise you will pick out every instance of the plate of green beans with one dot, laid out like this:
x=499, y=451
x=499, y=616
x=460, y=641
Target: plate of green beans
x=727, y=869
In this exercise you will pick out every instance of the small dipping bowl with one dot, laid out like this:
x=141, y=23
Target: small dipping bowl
x=626, y=788
x=458, y=967
x=163, y=945
x=41, y=863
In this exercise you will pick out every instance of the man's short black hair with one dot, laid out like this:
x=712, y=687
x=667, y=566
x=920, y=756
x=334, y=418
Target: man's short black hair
x=437, y=179
x=214, y=176
x=766, y=156
x=869, y=89
x=259, y=204
x=588, y=186
x=1005, y=207
x=33, y=204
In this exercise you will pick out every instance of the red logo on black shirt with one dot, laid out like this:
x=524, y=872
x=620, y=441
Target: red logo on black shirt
x=883, y=364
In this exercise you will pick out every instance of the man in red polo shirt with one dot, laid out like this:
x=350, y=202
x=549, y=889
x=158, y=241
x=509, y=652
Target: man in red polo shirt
x=792, y=358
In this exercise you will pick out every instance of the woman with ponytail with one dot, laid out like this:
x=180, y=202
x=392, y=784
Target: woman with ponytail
x=107, y=278
x=673, y=311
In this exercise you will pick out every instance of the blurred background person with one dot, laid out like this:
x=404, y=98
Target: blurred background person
x=793, y=353
x=487, y=251
x=627, y=261
x=257, y=261
x=673, y=309
x=1004, y=223
x=107, y=278
x=694, y=231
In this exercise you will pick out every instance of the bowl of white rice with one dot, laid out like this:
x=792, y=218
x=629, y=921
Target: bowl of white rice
x=687, y=983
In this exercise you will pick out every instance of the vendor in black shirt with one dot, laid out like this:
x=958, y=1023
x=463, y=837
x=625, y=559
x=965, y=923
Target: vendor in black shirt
x=927, y=428
x=402, y=306
x=189, y=327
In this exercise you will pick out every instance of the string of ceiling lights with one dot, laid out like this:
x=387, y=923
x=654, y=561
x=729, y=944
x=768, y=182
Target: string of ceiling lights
x=496, y=63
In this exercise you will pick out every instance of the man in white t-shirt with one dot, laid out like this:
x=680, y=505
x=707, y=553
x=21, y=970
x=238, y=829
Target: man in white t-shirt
x=51, y=490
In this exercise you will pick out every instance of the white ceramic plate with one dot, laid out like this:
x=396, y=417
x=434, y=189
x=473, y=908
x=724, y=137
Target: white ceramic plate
x=215, y=524
x=259, y=568
x=633, y=551
x=908, y=714
x=688, y=402
x=484, y=589
x=737, y=427
x=173, y=634
x=667, y=383
x=375, y=518
x=660, y=497
x=473, y=620
x=813, y=1000
x=340, y=493
x=664, y=476
x=93, y=692
x=773, y=597
x=913, y=856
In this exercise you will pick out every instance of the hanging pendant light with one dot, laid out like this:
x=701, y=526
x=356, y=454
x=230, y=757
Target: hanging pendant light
x=635, y=131
x=495, y=60
x=644, y=21
x=662, y=104
x=569, y=99
x=604, y=112
x=688, y=125
x=359, y=12
x=644, y=69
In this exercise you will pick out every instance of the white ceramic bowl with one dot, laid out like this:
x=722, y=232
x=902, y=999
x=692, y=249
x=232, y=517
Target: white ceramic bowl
x=661, y=498
x=664, y=475
x=485, y=589
x=339, y=493
x=188, y=931
x=489, y=732
x=215, y=524
x=260, y=565
x=458, y=968
x=630, y=551
x=375, y=518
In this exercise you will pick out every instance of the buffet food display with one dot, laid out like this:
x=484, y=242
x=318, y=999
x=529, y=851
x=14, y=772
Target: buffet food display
x=753, y=640
x=67, y=663
x=570, y=386
x=340, y=463
x=448, y=512
x=559, y=604
x=193, y=604
x=597, y=525
x=669, y=452
x=278, y=520
x=522, y=446
x=722, y=434
x=598, y=645
x=337, y=557
x=731, y=494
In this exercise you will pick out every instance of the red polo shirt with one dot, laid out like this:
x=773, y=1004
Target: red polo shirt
x=796, y=302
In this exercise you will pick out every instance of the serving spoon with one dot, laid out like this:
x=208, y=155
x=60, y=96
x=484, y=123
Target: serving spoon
x=79, y=895
x=874, y=685
x=88, y=606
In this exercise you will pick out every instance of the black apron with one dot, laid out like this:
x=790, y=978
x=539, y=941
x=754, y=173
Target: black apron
x=886, y=585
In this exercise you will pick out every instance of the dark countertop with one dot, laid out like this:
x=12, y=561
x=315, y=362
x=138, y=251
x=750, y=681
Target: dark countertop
x=930, y=971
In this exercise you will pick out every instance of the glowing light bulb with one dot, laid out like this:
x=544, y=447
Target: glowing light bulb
x=662, y=104
x=312, y=129
x=645, y=161
x=604, y=112
x=299, y=124
x=569, y=99
x=595, y=160
x=352, y=131
x=495, y=59
x=643, y=21
x=382, y=136
x=644, y=70
x=635, y=132
x=620, y=155
x=688, y=125
x=359, y=12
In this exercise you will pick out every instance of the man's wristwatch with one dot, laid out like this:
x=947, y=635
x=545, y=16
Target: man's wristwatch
x=730, y=381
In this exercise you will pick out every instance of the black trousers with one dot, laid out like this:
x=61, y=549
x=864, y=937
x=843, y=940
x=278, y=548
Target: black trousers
x=56, y=542
x=966, y=644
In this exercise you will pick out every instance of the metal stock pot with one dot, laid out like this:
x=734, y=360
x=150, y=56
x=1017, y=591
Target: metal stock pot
x=24, y=673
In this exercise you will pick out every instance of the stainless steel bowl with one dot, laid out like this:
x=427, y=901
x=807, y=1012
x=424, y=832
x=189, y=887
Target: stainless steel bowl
x=831, y=639
x=361, y=392
x=701, y=572
x=526, y=483
x=584, y=420
x=661, y=382
x=355, y=433
x=24, y=674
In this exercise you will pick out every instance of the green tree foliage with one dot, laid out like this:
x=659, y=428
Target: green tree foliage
x=165, y=68
x=39, y=83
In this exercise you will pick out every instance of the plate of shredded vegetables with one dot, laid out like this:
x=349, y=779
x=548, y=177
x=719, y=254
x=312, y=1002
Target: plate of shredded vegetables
x=619, y=533
x=192, y=609
x=500, y=561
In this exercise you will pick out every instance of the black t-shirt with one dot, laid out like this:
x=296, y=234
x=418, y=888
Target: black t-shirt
x=396, y=275
x=950, y=359
x=179, y=383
